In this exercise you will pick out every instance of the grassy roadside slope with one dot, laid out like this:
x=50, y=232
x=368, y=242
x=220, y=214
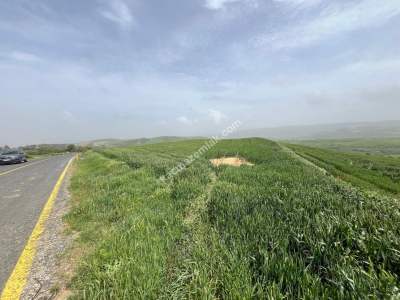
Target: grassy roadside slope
x=372, y=172
x=278, y=229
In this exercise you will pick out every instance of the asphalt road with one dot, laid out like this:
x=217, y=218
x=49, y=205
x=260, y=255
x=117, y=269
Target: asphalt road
x=24, y=190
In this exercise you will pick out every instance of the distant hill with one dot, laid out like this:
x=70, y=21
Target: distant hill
x=134, y=142
x=386, y=129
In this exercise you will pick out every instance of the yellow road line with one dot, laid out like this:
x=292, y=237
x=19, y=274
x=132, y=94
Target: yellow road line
x=25, y=166
x=17, y=281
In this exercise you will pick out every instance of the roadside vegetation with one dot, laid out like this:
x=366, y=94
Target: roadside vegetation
x=276, y=229
x=370, y=172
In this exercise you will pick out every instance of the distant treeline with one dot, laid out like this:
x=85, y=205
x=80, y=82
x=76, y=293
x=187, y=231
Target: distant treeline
x=44, y=149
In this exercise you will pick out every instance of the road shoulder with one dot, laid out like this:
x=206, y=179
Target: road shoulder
x=46, y=278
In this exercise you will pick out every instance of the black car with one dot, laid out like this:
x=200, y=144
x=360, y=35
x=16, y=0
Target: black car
x=12, y=157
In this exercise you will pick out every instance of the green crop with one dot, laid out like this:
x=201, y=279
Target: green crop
x=367, y=171
x=278, y=229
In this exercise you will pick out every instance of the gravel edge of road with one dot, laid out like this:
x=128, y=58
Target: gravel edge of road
x=45, y=276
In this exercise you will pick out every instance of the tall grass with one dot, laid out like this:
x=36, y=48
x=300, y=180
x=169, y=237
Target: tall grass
x=278, y=229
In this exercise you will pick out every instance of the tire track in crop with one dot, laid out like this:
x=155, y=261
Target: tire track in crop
x=339, y=173
x=197, y=233
x=302, y=159
x=343, y=183
x=198, y=206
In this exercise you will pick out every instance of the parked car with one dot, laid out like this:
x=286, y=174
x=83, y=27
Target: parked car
x=12, y=157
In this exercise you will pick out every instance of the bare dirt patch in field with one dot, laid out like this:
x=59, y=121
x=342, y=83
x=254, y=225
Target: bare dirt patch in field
x=230, y=161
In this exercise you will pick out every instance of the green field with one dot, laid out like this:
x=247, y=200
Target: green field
x=279, y=229
x=370, y=172
x=388, y=146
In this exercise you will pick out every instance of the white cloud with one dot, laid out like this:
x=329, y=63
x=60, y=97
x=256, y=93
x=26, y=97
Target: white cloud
x=23, y=56
x=68, y=116
x=167, y=56
x=332, y=21
x=119, y=13
x=184, y=120
x=381, y=66
x=216, y=116
x=304, y=3
x=218, y=4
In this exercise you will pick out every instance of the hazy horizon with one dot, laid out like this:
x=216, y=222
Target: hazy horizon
x=275, y=133
x=82, y=70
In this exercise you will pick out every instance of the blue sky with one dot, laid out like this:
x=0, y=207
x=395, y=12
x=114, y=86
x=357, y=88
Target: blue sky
x=79, y=70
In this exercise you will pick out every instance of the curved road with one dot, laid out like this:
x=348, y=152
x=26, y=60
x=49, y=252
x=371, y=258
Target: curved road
x=24, y=190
